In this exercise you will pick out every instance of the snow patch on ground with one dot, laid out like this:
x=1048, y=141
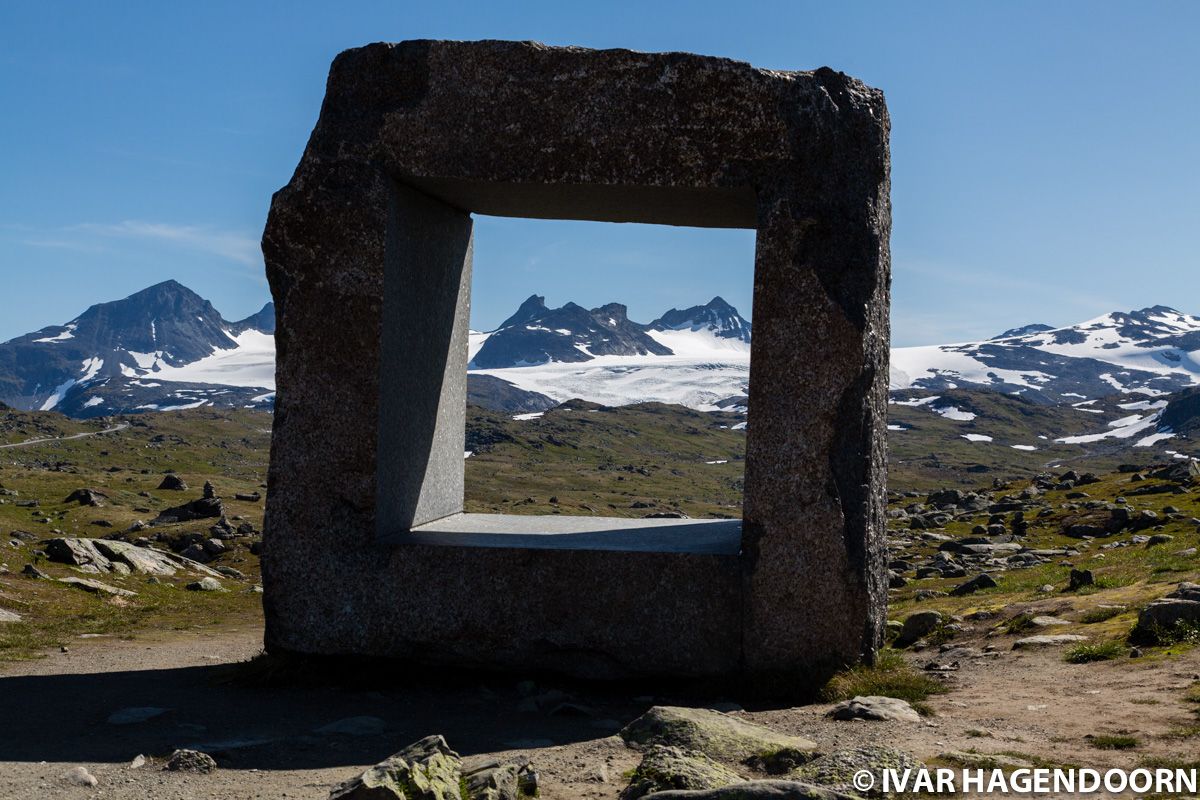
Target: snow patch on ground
x=1124, y=428
x=69, y=333
x=920, y=401
x=1154, y=438
x=954, y=413
x=976, y=437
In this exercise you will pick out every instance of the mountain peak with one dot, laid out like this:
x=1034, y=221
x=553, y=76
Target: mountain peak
x=717, y=316
x=263, y=320
x=534, y=305
x=1024, y=330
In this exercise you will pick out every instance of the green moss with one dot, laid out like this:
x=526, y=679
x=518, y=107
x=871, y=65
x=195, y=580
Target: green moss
x=1113, y=742
x=1103, y=614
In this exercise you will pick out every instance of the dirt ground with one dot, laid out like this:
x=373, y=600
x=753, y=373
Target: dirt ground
x=54, y=715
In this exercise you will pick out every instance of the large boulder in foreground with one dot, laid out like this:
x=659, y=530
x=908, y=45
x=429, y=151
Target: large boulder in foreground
x=429, y=770
x=836, y=770
x=719, y=736
x=759, y=790
x=665, y=768
x=425, y=770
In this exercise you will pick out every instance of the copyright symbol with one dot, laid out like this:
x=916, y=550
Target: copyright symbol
x=863, y=780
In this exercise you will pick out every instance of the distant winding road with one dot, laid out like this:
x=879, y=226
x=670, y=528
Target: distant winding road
x=122, y=426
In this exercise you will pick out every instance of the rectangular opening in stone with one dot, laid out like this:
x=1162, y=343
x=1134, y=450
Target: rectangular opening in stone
x=606, y=374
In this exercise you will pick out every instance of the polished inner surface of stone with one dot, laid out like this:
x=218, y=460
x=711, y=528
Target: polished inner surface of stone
x=553, y=532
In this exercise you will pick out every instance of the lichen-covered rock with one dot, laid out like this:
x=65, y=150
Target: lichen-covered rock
x=1165, y=616
x=759, y=790
x=425, y=770
x=836, y=770
x=665, y=768
x=96, y=587
x=190, y=761
x=78, y=553
x=719, y=736
x=492, y=779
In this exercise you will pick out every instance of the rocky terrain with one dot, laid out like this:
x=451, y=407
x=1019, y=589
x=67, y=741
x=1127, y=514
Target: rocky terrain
x=1039, y=617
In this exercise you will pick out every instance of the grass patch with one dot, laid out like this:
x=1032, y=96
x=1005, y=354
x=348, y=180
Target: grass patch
x=1087, y=652
x=1103, y=582
x=1019, y=624
x=1167, y=762
x=1182, y=632
x=1103, y=614
x=889, y=676
x=1185, y=731
x=1113, y=742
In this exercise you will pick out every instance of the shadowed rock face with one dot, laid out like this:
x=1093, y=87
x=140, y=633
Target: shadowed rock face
x=415, y=136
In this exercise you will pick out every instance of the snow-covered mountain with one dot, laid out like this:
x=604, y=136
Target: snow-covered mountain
x=698, y=357
x=161, y=348
x=166, y=348
x=1148, y=352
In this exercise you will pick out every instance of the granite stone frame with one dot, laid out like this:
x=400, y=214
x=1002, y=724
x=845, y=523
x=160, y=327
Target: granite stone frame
x=368, y=252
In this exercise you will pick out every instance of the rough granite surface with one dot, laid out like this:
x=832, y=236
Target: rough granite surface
x=424, y=130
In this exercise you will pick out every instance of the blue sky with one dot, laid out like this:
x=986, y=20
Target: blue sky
x=1045, y=155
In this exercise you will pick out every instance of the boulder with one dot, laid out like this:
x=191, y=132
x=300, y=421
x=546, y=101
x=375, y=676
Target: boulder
x=87, y=497
x=1179, y=608
x=719, y=736
x=425, y=770
x=758, y=790
x=112, y=555
x=173, y=483
x=917, y=626
x=1080, y=578
x=206, y=584
x=209, y=506
x=1047, y=640
x=9, y=616
x=190, y=761
x=874, y=707
x=30, y=571
x=836, y=770
x=79, y=776
x=96, y=587
x=981, y=581
x=492, y=779
x=139, y=559
x=665, y=768
x=78, y=553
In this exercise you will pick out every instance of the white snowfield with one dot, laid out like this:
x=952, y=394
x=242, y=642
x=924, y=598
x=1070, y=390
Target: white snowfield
x=251, y=363
x=705, y=369
x=1101, y=340
x=620, y=380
